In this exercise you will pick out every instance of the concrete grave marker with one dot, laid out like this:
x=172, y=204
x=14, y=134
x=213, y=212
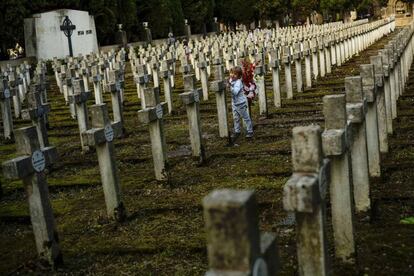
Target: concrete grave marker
x=30, y=167
x=101, y=136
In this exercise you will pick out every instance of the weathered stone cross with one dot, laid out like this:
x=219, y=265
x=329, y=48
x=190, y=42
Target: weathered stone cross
x=191, y=99
x=30, y=167
x=79, y=98
x=35, y=113
x=304, y=194
x=235, y=245
x=153, y=116
x=101, y=136
x=6, y=115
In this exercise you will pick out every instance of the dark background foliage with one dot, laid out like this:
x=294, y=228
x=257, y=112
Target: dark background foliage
x=166, y=15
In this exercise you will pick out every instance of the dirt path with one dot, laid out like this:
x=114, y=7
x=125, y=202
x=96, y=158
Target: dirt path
x=163, y=234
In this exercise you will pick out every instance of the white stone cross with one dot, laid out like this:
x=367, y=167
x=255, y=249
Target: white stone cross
x=153, y=116
x=30, y=167
x=304, y=194
x=101, y=136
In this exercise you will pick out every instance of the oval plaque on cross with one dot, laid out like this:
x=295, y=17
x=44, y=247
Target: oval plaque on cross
x=38, y=161
x=159, y=111
x=6, y=93
x=196, y=96
x=260, y=268
x=109, y=133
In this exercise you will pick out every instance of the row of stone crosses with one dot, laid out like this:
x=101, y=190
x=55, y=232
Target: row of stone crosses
x=357, y=122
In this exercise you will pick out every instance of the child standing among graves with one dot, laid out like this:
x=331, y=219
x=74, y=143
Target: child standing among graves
x=239, y=103
x=248, y=81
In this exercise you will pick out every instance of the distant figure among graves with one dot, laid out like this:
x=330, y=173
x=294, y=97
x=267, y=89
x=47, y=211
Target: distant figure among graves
x=239, y=103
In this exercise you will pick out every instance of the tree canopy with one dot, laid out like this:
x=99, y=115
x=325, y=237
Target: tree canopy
x=168, y=15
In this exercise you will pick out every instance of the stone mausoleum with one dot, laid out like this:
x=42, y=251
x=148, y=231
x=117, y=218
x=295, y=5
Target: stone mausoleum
x=403, y=11
x=44, y=38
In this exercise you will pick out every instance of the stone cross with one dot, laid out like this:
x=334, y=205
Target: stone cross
x=308, y=69
x=235, y=245
x=96, y=79
x=80, y=98
x=6, y=115
x=27, y=66
x=387, y=89
x=314, y=50
x=101, y=136
x=288, y=72
x=153, y=116
x=304, y=194
x=381, y=108
x=274, y=64
x=191, y=99
x=335, y=146
x=327, y=50
x=297, y=56
x=154, y=69
x=202, y=65
x=219, y=88
x=165, y=75
x=114, y=86
x=261, y=91
x=35, y=113
x=30, y=167
x=369, y=88
x=321, y=50
x=69, y=74
x=388, y=52
x=141, y=79
x=67, y=27
x=356, y=108
x=21, y=80
x=85, y=76
x=333, y=49
x=13, y=86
